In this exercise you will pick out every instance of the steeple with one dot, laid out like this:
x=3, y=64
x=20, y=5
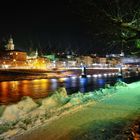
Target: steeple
x=10, y=45
x=36, y=53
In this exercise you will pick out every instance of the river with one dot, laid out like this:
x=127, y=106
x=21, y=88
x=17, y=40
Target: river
x=13, y=91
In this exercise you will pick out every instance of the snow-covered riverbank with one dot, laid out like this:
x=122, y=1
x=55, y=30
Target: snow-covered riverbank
x=71, y=117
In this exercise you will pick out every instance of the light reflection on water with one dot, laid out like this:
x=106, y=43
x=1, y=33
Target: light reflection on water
x=12, y=91
x=83, y=84
x=101, y=82
x=54, y=84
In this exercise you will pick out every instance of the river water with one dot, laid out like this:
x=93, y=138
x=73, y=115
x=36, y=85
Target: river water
x=13, y=91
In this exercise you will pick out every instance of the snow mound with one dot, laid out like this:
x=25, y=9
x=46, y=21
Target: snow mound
x=77, y=99
x=15, y=111
x=26, y=104
x=58, y=98
x=121, y=84
x=80, y=98
x=11, y=113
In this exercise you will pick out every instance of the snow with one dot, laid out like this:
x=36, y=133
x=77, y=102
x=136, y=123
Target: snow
x=59, y=98
x=15, y=111
x=99, y=108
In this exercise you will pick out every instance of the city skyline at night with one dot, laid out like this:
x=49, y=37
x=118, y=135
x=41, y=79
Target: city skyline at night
x=58, y=26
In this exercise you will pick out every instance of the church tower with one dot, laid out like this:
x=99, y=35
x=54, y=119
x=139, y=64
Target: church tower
x=10, y=45
x=36, y=53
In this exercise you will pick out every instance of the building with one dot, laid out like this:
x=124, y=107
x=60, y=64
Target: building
x=11, y=57
x=84, y=60
x=101, y=60
x=10, y=45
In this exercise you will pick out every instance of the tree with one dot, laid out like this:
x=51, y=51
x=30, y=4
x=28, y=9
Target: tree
x=116, y=21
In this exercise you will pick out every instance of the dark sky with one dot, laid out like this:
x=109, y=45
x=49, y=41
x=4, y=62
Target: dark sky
x=57, y=25
x=37, y=24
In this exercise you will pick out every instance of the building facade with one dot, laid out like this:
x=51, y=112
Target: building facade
x=11, y=57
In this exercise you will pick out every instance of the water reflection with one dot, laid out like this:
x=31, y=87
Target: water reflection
x=83, y=84
x=12, y=91
x=74, y=82
x=67, y=82
x=54, y=84
x=101, y=82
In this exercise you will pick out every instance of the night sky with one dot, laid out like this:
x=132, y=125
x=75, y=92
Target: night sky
x=52, y=26
x=48, y=26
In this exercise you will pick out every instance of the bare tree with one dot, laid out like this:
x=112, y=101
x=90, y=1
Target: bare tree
x=119, y=20
x=126, y=16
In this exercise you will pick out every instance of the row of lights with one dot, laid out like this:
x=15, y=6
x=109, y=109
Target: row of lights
x=100, y=75
x=94, y=75
x=97, y=75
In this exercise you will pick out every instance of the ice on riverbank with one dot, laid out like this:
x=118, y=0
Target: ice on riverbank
x=29, y=113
